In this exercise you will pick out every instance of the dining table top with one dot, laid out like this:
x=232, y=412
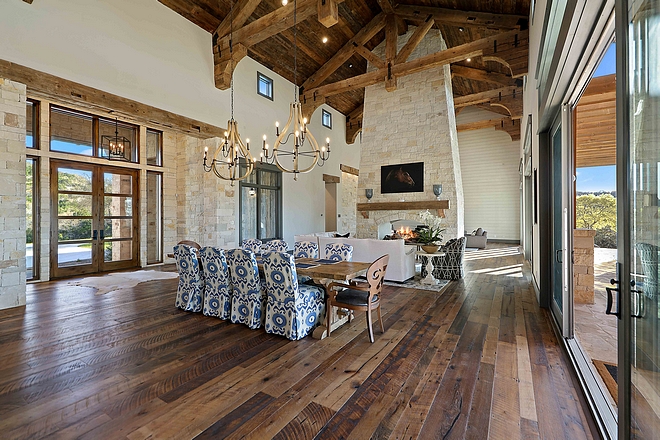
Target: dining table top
x=342, y=270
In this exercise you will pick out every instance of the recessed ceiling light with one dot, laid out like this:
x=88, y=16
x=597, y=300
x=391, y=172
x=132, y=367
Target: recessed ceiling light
x=324, y=39
x=468, y=60
x=460, y=28
x=284, y=2
x=350, y=65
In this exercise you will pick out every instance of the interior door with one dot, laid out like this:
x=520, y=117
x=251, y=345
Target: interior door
x=638, y=217
x=93, y=223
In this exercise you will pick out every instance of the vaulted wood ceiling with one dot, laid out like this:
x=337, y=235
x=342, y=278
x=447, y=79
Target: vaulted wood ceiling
x=492, y=33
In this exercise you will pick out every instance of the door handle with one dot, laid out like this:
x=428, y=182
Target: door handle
x=558, y=254
x=639, y=303
x=102, y=231
x=610, y=299
x=94, y=234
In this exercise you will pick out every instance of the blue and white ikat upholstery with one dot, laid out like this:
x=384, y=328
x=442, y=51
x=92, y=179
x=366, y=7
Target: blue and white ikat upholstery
x=274, y=246
x=252, y=245
x=450, y=266
x=338, y=252
x=191, y=285
x=248, y=302
x=293, y=309
x=306, y=249
x=217, y=284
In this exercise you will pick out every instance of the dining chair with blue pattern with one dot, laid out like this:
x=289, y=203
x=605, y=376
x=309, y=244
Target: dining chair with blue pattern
x=292, y=309
x=252, y=245
x=248, y=302
x=306, y=249
x=274, y=246
x=217, y=284
x=191, y=285
x=338, y=252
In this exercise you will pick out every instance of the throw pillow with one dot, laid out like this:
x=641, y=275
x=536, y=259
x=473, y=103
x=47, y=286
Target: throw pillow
x=342, y=235
x=479, y=232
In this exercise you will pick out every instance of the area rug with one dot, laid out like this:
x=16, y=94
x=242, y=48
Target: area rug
x=608, y=372
x=122, y=280
x=415, y=283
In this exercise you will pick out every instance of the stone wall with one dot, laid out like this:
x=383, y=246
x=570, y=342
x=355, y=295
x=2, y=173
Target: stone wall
x=347, y=209
x=12, y=193
x=414, y=123
x=583, y=266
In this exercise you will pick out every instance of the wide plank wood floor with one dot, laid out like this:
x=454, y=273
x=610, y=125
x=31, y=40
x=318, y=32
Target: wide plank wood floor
x=477, y=361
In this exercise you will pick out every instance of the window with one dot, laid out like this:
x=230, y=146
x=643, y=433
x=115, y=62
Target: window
x=261, y=204
x=154, y=147
x=326, y=119
x=31, y=124
x=31, y=225
x=79, y=133
x=264, y=86
x=154, y=217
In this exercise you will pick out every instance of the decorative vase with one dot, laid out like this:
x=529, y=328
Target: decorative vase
x=430, y=248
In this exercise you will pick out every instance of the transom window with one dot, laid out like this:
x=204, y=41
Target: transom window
x=31, y=124
x=264, y=86
x=326, y=119
x=154, y=147
x=80, y=133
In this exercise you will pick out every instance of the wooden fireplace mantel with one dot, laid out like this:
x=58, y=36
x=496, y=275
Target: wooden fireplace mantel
x=440, y=205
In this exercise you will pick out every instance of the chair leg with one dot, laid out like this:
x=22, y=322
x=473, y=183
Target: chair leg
x=328, y=315
x=380, y=319
x=370, y=326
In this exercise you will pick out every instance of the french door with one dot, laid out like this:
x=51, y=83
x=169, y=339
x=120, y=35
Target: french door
x=94, y=226
x=638, y=184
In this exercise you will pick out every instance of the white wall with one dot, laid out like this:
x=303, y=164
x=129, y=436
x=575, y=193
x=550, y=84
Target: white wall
x=142, y=50
x=491, y=182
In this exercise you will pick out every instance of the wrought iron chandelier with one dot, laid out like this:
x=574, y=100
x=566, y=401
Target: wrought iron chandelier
x=233, y=154
x=116, y=147
x=303, y=145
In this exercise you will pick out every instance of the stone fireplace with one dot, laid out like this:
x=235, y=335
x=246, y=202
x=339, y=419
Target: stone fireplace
x=414, y=123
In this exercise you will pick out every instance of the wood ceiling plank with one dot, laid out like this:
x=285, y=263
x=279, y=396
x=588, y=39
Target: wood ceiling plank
x=483, y=75
x=48, y=86
x=414, y=40
x=366, y=34
x=198, y=15
x=461, y=18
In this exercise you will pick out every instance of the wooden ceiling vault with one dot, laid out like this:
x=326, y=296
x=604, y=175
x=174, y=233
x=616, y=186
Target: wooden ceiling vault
x=492, y=34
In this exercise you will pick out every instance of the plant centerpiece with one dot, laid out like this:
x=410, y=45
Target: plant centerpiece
x=429, y=237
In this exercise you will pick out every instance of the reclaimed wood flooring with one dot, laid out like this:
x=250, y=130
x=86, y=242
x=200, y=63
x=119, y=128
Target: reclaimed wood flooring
x=479, y=360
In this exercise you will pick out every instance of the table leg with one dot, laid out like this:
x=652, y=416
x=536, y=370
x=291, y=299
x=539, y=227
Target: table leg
x=429, y=279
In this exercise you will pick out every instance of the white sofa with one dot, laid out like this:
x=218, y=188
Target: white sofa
x=402, y=257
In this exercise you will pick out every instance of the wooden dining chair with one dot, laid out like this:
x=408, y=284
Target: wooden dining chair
x=363, y=297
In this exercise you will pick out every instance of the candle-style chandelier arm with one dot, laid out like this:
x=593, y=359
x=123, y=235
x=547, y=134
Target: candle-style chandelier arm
x=233, y=149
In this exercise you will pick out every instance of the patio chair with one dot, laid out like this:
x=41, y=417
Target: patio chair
x=363, y=297
x=248, y=300
x=292, y=309
x=338, y=252
x=189, y=291
x=217, y=284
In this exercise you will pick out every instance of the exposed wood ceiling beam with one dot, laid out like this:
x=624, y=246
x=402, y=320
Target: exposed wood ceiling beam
x=343, y=54
x=243, y=10
x=461, y=18
x=484, y=76
x=328, y=12
x=40, y=84
x=451, y=55
x=390, y=51
x=508, y=125
x=271, y=24
x=414, y=40
x=386, y=6
x=487, y=96
x=369, y=56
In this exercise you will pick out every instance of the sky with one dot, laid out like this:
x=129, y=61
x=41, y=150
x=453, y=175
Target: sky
x=607, y=65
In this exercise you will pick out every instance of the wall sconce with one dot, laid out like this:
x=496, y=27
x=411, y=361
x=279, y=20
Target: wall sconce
x=437, y=190
x=369, y=193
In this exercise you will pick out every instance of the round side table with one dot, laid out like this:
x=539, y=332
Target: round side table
x=427, y=260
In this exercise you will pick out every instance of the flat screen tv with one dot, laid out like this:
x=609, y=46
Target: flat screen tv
x=402, y=178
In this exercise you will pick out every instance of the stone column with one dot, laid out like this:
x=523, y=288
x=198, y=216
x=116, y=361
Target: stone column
x=12, y=193
x=583, y=266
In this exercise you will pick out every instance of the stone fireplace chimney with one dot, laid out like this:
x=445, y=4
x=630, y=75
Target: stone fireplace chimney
x=414, y=123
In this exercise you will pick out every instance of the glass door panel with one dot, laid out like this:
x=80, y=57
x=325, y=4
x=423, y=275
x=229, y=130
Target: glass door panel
x=640, y=317
x=94, y=226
